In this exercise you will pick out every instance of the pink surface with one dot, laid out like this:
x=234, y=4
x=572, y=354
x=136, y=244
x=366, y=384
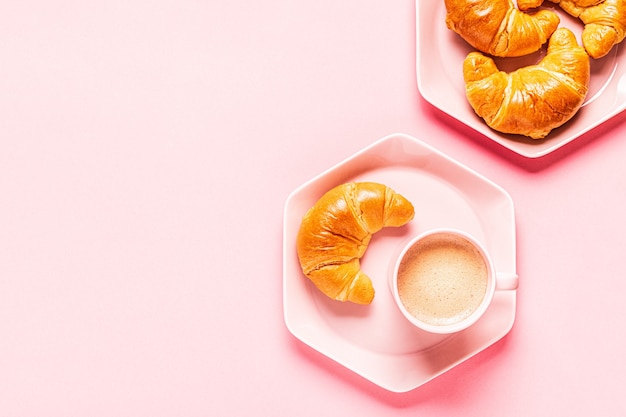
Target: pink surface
x=147, y=152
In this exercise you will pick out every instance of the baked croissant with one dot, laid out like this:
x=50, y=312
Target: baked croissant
x=336, y=231
x=532, y=100
x=498, y=28
x=531, y=4
x=605, y=23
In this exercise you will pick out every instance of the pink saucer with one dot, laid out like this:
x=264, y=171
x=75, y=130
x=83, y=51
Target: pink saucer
x=376, y=341
x=440, y=55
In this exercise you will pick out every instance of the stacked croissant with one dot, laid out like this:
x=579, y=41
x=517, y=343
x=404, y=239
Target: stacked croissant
x=533, y=100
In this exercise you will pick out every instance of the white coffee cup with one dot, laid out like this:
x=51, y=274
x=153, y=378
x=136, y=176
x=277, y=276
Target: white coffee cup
x=444, y=281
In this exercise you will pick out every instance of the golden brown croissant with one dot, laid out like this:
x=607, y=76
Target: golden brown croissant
x=533, y=100
x=605, y=23
x=498, y=28
x=531, y=4
x=335, y=232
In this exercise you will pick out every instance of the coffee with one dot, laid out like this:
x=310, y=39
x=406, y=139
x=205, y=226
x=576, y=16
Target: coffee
x=442, y=279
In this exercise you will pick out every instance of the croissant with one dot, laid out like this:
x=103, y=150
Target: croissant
x=605, y=23
x=532, y=100
x=498, y=28
x=336, y=231
x=531, y=4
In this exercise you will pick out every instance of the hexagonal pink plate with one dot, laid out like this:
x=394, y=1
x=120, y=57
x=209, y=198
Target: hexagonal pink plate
x=376, y=341
x=440, y=55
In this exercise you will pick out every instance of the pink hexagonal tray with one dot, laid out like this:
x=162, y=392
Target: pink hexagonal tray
x=440, y=55
x=376, y=341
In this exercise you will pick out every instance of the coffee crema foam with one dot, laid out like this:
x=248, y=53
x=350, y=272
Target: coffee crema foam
x=442, y=279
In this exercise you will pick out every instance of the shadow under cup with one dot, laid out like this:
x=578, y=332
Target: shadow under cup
x=444, y=281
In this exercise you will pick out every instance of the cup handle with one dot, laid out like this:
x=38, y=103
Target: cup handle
x=506, y=281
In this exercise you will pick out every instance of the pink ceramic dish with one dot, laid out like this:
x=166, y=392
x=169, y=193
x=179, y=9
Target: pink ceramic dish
x=440, y=55
x=376, y=341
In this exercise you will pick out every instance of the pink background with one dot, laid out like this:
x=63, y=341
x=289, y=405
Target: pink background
x=148, y=148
